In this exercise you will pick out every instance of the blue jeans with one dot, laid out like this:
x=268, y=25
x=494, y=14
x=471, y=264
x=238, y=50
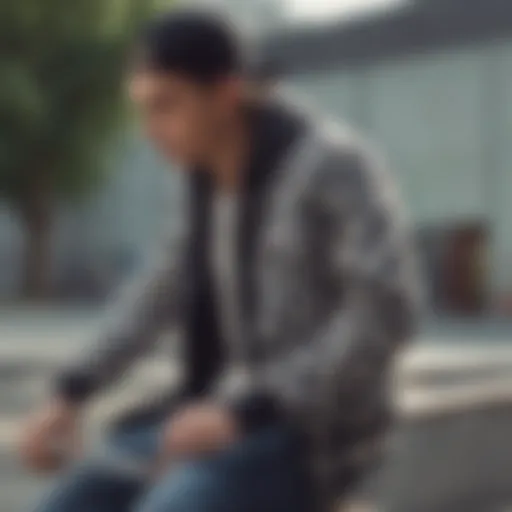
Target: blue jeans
x=263, y=473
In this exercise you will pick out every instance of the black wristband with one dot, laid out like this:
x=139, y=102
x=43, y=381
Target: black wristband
x=74, y=387
x=257, y=410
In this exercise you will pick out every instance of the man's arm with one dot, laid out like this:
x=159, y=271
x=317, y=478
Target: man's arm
x=132, y=326
x=370, y=255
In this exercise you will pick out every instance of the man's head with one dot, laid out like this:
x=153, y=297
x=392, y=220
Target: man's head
x=187, y=82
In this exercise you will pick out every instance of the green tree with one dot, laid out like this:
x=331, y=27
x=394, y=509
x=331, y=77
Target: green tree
x=61, y=101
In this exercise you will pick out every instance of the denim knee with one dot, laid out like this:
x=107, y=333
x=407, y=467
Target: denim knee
x=191, y=488
x=91, y=487
x=261, y=473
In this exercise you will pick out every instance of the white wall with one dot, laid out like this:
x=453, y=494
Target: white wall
x=444, y=120
x=499, y=162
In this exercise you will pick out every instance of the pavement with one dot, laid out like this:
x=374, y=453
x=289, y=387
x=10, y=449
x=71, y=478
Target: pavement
x=449, y=453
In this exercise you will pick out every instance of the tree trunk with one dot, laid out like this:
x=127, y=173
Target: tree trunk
x=37, y=257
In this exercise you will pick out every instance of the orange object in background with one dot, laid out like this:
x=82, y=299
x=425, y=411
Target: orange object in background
x=505, y=305
x=457, y=273
x=465, y=270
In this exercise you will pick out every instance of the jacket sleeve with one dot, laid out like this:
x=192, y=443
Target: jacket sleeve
x=369, y=257
x=131, y=327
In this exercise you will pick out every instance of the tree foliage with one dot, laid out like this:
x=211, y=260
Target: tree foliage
x=60, y=94
x=61, y=65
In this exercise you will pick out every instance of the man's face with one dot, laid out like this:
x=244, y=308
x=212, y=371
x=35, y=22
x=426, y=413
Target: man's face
x=181, y=117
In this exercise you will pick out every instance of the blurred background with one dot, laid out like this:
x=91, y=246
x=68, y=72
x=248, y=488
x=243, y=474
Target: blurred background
x=83, y=199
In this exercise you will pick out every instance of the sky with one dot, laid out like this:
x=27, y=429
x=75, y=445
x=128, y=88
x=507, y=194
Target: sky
x=319, y=10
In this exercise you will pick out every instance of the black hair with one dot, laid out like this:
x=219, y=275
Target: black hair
x=199, y=44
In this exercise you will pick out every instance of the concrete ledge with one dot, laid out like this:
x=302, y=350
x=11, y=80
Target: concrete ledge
x=431, y=379
x=426, y=403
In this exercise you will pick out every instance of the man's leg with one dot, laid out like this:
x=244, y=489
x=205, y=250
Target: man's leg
x=108, y=482
x=261, y=474
x=93, y=488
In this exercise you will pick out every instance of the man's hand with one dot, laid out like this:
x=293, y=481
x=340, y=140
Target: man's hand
x=198, y=430
x=51, y=437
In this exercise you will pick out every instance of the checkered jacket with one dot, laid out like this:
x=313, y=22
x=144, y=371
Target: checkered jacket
x=335, y=297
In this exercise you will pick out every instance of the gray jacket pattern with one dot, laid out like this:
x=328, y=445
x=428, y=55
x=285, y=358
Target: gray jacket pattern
x=337, y=297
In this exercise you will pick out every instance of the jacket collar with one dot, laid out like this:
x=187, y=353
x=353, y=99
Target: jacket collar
x=272, y=129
